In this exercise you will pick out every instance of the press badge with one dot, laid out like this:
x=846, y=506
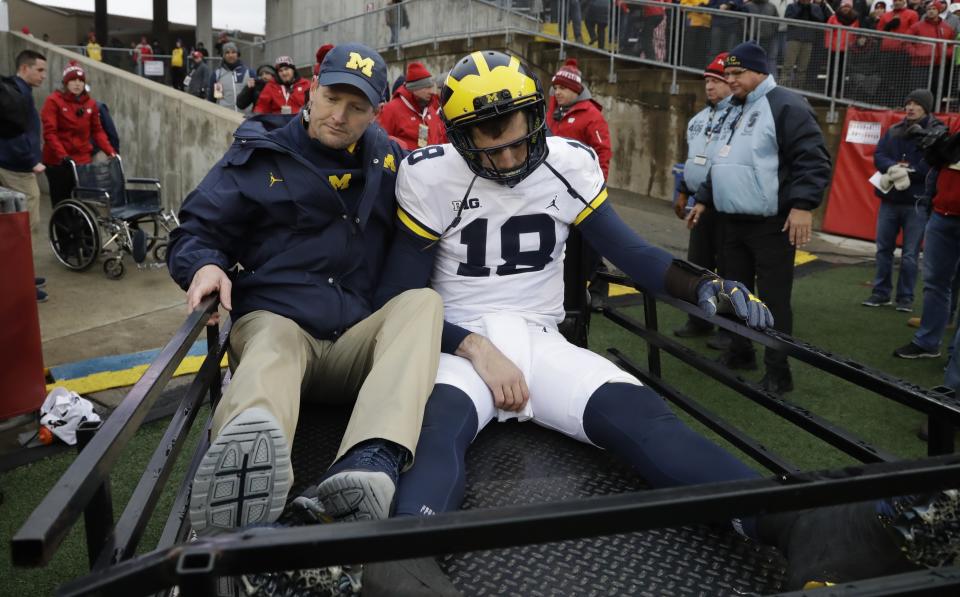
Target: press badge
x=700, y=160
x=217, y=91
x=724, y=151
x=285, y=109
x=422, y=132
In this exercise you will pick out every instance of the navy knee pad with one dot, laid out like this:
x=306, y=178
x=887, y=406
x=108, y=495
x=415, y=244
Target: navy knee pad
x=435, y=483
x=635, y=423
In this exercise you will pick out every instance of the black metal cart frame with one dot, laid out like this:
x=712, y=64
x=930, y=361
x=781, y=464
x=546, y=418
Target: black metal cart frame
x=84, y=489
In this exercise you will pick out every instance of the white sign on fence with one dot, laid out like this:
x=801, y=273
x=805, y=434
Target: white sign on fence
x=865, y=133
x=153, y=68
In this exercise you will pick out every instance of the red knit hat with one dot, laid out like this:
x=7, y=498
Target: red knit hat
x=321, y=54
x=73, y=71
x=569, y=76
x=940, y=6
x=715, y=68
x=416, y=71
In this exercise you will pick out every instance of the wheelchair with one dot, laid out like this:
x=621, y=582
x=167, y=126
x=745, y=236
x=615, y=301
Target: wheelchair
x=112, y=214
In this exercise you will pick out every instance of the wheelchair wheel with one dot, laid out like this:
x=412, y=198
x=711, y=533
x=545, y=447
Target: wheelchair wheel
x=160, y=253
x=113, y=268
x=74, y=235
x=150, y=226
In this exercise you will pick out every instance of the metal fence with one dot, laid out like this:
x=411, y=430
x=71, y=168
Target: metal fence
x=157, y=68
x=842, y=65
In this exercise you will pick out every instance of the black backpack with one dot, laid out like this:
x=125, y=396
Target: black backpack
x=13, y=109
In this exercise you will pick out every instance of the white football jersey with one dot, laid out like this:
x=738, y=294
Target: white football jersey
x=505, y=253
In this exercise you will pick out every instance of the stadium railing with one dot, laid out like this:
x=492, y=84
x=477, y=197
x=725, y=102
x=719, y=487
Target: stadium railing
x=123, y=58
x=84, y=489
x=857, y=76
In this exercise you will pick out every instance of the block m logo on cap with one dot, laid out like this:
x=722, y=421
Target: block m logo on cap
x=358, y=62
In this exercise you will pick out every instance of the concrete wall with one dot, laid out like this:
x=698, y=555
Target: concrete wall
x=164, y=133
x=297, y=28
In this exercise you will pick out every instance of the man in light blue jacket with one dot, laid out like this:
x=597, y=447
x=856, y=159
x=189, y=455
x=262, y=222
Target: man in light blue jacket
x=767, y=175
x=703, y=130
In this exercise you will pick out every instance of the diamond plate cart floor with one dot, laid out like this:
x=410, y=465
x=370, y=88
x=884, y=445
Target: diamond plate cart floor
x=513, y=463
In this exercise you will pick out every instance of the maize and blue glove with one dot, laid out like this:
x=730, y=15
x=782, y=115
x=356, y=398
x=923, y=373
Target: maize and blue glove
x=727, y=296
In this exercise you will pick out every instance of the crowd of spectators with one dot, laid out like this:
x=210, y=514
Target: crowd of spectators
x=804, y=55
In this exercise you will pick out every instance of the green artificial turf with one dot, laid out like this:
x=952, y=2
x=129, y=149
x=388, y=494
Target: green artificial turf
x=24, y=487
x=827, y=313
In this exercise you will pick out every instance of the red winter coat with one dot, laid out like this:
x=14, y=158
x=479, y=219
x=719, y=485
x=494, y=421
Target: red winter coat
x=835, y=40
x=69, y=122
x=143, y=53
x=583, y=122
x=276, y=95
x=907, y=17
x=402, y=120
x=920, y=53
x=947, y=200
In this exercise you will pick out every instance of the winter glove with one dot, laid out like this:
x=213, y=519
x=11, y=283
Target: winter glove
x=727, y=296
x=900, y=175
x=892, y=24
x=886, y=182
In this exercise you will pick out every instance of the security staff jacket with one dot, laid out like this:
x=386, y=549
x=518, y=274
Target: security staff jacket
x=703, y=134
x=308, y=225
x=772, y=156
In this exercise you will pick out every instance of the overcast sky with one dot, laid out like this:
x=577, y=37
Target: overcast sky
x=246, y=15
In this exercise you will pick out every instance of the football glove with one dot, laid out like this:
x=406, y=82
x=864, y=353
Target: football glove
x=727, y=296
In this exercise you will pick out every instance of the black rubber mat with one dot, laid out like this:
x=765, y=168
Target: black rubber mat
x=514, y=463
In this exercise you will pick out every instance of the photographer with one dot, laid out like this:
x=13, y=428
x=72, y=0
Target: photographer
x=900, y=161
x=942, y=244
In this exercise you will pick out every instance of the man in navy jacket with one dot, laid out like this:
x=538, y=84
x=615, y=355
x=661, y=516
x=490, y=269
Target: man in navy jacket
x=300, y=211
x=20, y=155
x=903, y=173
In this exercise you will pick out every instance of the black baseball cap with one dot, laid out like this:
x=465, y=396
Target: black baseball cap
x=358, y=66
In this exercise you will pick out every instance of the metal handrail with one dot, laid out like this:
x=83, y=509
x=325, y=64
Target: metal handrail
x=47, y=526
x=193, y=566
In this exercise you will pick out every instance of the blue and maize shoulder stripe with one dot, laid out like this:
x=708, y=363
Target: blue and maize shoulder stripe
x=417, y=227
x=594, y=204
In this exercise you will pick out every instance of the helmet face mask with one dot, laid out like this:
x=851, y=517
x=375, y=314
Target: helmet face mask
x=489, y=86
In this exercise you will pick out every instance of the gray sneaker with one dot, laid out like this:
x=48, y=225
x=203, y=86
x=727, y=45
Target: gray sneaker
x=876, y=300
x=361, y=485
x=244, y=477
x=905, y=306
x=912, y=351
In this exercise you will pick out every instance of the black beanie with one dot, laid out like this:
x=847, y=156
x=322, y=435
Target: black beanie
x=923, y=97
x=750, y=56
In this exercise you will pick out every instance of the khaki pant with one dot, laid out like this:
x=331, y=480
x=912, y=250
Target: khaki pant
x=385, y=364
x=26, y=183
x=796, y=60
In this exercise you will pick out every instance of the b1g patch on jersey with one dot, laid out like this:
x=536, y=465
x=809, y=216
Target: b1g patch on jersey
x=471, y=203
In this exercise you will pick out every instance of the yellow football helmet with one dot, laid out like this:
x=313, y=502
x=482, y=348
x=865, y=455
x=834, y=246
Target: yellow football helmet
x=484, y=86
